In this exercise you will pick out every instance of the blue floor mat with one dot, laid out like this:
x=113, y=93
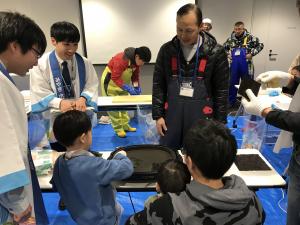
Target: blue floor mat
x=57, y=217
x=104, y=139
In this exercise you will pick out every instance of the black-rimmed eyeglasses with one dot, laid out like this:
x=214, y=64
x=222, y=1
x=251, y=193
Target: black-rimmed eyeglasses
x=37, y=53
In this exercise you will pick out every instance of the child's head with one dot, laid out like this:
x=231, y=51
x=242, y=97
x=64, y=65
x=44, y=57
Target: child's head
x=65, y=37
x=73, y=128
x=296, y=71
x=142, y=55
x=210, y=148
x=22, y=34
x=172, y=176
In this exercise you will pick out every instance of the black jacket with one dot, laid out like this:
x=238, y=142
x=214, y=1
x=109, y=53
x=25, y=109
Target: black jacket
x=286, y=120
x=216, y=75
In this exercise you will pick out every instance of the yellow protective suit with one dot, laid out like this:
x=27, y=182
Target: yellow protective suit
x=119, y=119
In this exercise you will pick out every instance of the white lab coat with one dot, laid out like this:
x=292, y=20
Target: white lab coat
x=43, y=89
x=13, y=149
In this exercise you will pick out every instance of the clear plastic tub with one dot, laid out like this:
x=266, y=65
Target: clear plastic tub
x=253, y=132
x=148, y=126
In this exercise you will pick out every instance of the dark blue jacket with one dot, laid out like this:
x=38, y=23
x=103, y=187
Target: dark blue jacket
x=84, y=184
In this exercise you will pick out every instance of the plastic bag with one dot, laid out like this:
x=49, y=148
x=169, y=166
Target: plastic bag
x=42, y=161
x=253, y=132
x=148, y=126
x=38, y=125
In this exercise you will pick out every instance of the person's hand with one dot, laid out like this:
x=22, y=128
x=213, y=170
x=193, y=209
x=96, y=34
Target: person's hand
x=249, y=56
x=66, y=105
x=129, y=89
x=255, y=106
x=23, y=216
x=80, y=104
x=161, y=126
x=274, y=78
x=138, y=90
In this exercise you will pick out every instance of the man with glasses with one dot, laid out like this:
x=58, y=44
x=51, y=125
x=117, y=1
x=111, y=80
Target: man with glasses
x=190, y=79
x=21, y=43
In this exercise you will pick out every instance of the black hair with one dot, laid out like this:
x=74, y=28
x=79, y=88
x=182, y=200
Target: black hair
x=211, y=146
x=65, y=31
x=70, y=125
x=239, y=23
x=296, y=68
x=190, y=7
x=20, y=28
x=173, y=176
x=144, y=53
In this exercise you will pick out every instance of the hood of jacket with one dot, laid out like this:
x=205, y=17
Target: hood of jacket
x=245, y=34
x=129, y=53
x=235, y=195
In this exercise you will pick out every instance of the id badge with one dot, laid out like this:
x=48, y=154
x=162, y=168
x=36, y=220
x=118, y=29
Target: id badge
x=187, y=92
x=186, y=89
x=237, y=52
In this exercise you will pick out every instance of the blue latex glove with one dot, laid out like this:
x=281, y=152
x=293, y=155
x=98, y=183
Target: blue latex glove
x=273, y=93
x=129, y=89
x=138, y=90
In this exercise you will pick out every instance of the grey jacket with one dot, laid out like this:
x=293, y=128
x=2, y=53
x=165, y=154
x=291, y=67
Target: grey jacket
x=200, y=204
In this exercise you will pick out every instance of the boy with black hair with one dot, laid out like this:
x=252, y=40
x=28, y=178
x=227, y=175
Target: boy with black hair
x=22, y=42
x=209, y=151
x=63, y=79
x=122, y=70
x=83, y=180
x=172, y=177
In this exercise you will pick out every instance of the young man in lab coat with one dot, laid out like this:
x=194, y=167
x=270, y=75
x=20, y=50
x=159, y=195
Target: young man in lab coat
x=63, y=80
x=22, y=42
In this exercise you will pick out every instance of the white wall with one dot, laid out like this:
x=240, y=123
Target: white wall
x=224, y=14
x=275, y=22
x=47, y=12
x=113, y=25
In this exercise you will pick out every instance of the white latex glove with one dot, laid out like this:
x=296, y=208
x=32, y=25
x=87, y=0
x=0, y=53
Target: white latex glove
x=255, y=106
x=274, y=78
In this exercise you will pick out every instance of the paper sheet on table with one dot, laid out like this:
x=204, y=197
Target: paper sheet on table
x=284, y=139
x=132, y=98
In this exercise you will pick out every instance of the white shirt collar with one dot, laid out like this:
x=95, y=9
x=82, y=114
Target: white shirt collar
x=2, y=64
x=190, y=50
x=60, y=61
